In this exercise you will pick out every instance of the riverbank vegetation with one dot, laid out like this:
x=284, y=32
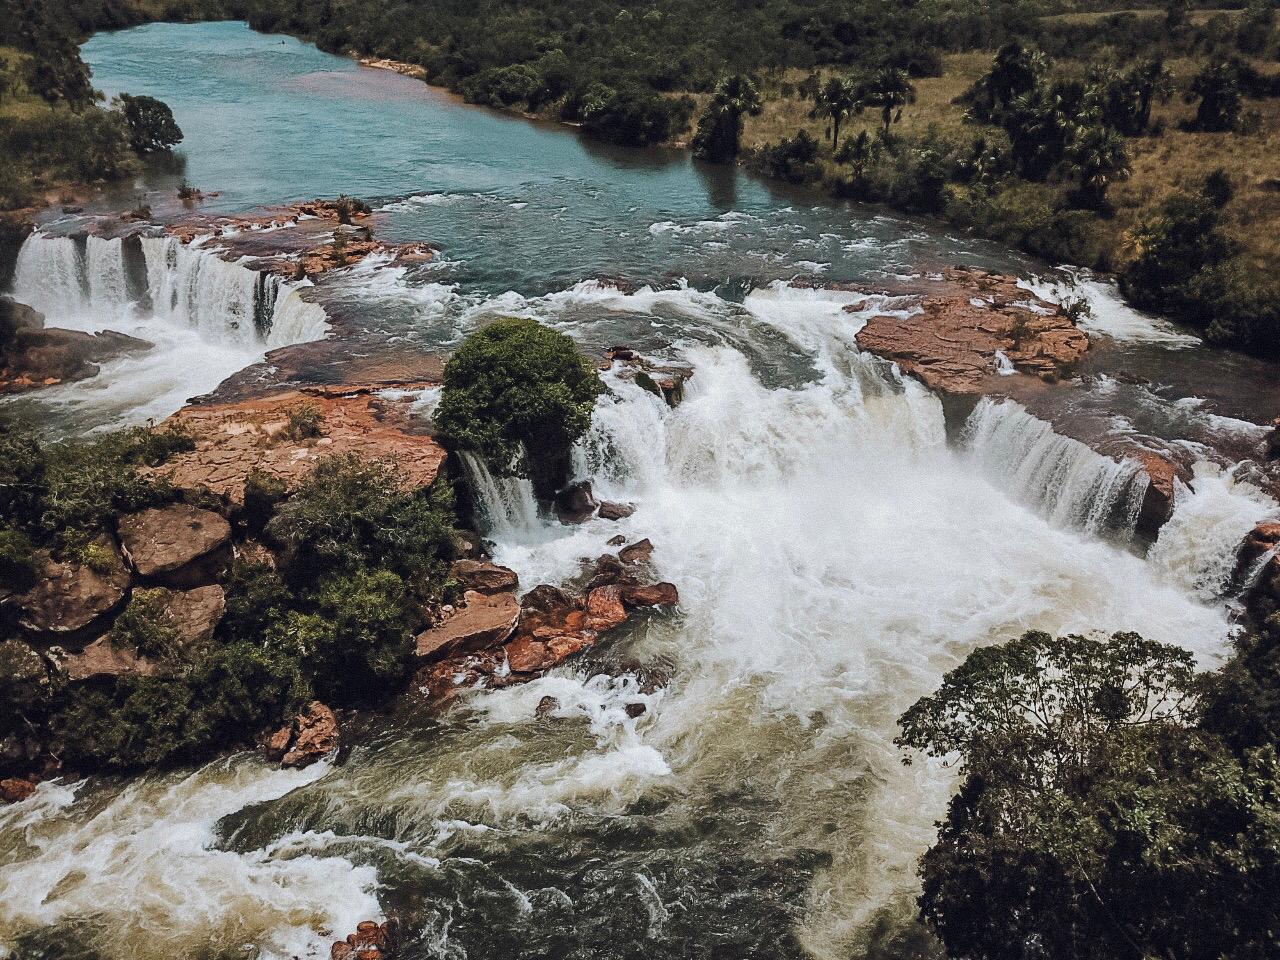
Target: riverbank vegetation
x=1111, y=803
x=325, y=606
x=55, y=130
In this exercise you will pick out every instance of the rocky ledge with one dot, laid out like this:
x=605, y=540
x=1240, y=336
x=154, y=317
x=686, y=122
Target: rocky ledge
x=33, y=355
x=964, y=327
x=301, y=240
x=281, y=436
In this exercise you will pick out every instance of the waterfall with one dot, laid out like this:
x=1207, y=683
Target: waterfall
x=1197, y=547
x=89, y=283
x=295, y=320
x=506, y=505
x=50, y=276
x=1069, y=482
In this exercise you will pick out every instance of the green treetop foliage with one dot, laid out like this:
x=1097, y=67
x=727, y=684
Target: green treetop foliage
x=888, y=90
x=520, y=395
x=1093, y=818
x=835, y=101
x=720, y=128
x=151, y=124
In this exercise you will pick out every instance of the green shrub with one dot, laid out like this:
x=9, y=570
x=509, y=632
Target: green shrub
x=352, y=513
x=256, y=597
x=517, y=387
x=263, y=492
x=304, y=422
x=145, y=626
x=356, y=645
x=18, y=565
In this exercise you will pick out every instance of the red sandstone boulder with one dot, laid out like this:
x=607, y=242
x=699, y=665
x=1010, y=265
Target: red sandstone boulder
x=1158, y=501
x=604, y=609
x=651, y=595
x=14, y=790
x=484, y=620
x=371, y=941
x=312, y=735
x=638, y=552
x=576, y=503
x=484, y=577
x=71, y=596
x=177, y=543
x=615, y=511
x=33, y=355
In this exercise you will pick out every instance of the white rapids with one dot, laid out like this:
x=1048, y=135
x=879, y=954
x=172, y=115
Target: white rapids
x=835, y=556
x=206, y=317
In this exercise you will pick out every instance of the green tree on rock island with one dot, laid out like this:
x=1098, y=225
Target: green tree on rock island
x=1096, y=818
x=520, y=395
x=151, y=124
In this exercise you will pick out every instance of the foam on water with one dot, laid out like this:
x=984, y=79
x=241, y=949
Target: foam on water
x=143, y=870
x=1107, y=312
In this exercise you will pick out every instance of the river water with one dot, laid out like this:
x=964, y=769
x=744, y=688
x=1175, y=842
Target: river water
x=834, y=552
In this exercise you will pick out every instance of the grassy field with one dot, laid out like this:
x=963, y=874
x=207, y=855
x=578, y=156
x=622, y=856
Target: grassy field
x=1174, y=161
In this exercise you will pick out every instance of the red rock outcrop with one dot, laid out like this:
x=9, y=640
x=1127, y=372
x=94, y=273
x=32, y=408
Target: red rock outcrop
x=14, y=790
x=371, y=941
x=484, y=577
x=310, y=737
x=235, y=439
x=103, y=658
x=176, y=543
x=552, y=626
x=964, y=319
x=33, y=355
x=70, y=596
x=1158, y=501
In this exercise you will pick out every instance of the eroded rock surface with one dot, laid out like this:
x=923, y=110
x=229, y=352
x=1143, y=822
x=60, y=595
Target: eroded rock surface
x=964, y=322
x=311, y=736
x=234, y=439
x=71, y=596
x=166, y=542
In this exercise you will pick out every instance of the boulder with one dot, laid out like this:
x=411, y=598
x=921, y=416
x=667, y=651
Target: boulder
x=13, y=790
x=610, y=570
x=102, y=658
x=371, y=941
x=1158, y=501
x=177, y=544
x=576, y=503
x=615, y=511
x=484, y=620
x=546, y=705
x=33, y=355
x=312, y=735
x=72, y=597
x=484, y=577
x=24, y=677
x=651, y=595
x=196, y=613
x=604, y=609
x=638, y=552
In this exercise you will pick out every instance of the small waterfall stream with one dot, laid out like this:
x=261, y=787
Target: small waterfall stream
x=1070, y=483
x=84, y=283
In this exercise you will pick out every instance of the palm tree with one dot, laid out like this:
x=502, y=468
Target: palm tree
x=1098, y=156
x=720, y=129
x=1152, y=82
x=890, y=90
x=835, y=101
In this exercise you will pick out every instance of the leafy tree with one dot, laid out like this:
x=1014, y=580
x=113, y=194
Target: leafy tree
x=1016, y=70
x=1093, y=819
x=1170, y=249
x=1040, y=125
x=890, y=90
x=835, y=101
x=151, y=124
x=1098, y=157
x=720, y=129
x=520, y=395
x=1218, y=87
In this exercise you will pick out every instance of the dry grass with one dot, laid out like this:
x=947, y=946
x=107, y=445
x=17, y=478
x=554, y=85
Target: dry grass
x=1197, y=17
x=784, y=116
x=1162, y=165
